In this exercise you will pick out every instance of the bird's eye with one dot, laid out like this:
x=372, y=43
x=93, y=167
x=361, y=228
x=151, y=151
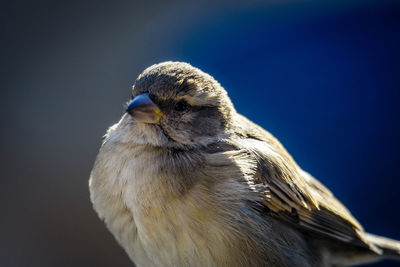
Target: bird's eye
x=181, y=106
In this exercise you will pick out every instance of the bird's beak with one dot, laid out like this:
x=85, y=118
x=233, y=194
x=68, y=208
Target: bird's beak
x=142, y=109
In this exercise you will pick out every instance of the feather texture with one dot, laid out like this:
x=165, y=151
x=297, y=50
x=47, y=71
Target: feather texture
x=204, y=186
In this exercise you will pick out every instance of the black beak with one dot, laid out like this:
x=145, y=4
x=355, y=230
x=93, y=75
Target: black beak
x=142, y=109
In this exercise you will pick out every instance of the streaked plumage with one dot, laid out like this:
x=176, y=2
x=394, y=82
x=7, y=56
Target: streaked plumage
x=184, y=180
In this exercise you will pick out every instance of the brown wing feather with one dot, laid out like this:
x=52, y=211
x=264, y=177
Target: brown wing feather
x=292, y=194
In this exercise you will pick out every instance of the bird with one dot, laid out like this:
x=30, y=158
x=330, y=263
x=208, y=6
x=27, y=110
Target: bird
x=184, y=180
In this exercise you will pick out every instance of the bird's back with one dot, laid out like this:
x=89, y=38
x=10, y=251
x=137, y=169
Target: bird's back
x=297, y=198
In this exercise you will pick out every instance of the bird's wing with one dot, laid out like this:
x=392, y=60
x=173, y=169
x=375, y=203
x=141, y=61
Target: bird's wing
x=292, y=194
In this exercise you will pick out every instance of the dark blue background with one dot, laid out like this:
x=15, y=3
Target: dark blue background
x=322, y=76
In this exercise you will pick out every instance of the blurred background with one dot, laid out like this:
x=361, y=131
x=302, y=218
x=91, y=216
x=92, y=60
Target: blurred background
x=322, y=76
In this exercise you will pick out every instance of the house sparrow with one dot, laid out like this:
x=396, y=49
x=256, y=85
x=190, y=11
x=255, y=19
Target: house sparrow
x=184, y=180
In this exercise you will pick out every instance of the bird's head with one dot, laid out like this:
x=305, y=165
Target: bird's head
x=174, y=104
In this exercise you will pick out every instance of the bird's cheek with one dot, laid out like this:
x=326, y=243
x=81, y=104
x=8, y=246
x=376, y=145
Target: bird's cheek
x=174, y=130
